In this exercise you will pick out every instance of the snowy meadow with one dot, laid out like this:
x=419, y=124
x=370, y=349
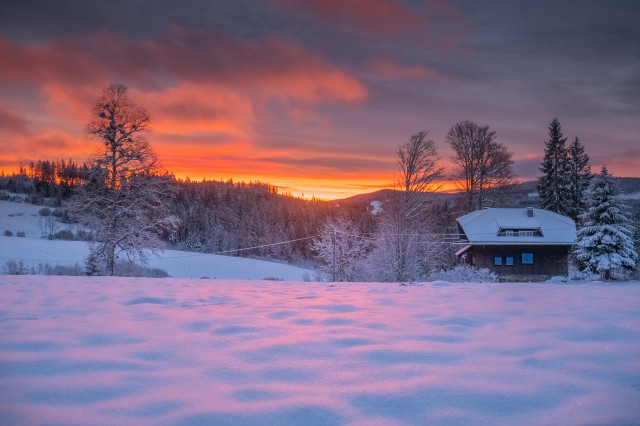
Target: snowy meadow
x=99, y=350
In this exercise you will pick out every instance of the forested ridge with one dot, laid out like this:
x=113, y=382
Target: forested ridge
x=214, y=216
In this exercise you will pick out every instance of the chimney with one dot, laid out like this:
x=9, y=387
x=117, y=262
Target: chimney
x=529, y=211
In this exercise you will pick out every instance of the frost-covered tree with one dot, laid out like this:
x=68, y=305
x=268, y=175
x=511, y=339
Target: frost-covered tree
x=580, y=176
x=403, y=217
x=125, y=202
x=605, y=242
x=482, y=164
x=341, y=250
x=553, y=186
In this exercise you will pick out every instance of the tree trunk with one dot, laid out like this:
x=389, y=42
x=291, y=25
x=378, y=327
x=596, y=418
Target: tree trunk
x=111, y=257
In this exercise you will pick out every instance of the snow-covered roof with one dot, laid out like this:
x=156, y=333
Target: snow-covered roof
x=485, y=226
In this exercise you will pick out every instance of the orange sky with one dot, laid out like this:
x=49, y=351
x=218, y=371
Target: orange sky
x=315, y=96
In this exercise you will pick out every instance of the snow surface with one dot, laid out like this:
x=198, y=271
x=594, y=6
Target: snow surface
x=24, y=217
x=99, y=350
x=34, y=250
x=178, y=264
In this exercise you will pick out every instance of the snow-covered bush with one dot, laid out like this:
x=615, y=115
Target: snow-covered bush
x=464, y=273
x=13, y=267
x=122, y=268
x=64, y=234
x=576, y=274
x=8, y=233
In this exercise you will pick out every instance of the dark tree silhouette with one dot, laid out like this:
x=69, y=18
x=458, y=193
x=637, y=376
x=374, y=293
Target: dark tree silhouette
x=482, y=163
x=553, y=185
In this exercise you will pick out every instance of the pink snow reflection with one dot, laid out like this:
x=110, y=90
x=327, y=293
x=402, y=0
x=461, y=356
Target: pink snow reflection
x=99, y=350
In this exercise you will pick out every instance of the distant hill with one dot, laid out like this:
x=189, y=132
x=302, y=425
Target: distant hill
x=385, y=195
x=523, y=194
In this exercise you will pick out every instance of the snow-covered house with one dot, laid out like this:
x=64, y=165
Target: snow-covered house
x=517, y=244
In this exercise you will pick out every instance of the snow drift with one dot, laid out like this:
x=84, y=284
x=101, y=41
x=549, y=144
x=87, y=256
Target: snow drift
x=84, y=350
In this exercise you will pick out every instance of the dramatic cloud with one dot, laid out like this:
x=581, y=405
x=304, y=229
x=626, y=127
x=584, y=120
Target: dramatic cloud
x=272, y=66
x=379, y=17
x=12, y=123
x=318, y=93
x=192, y=83
x=198, y=108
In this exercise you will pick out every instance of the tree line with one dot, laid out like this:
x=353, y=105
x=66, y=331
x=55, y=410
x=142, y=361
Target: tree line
x=134, y=208
x=605, y=232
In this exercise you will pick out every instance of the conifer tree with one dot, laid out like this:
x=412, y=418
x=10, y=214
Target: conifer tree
x=605, y=243
x=553, y=186
x=580, y=176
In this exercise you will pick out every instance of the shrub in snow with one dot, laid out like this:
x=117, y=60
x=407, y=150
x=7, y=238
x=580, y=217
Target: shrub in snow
x=21, y=234
x=75, y=270
x=577, y=275
x=45, y=211
x=157, y=273
x=8, y=233
x=464, y=273
x=13, y=267
x=64, y=234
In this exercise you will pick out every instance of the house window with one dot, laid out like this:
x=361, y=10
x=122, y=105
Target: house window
x=497, y=260
x=509, y=232
x=526, y=233
x=527, y=258
x=508, y=260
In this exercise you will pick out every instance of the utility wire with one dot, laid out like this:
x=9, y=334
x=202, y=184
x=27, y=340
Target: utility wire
x=182, y=256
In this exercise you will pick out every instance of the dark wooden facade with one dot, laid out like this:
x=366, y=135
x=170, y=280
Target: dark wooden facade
x=548, y=261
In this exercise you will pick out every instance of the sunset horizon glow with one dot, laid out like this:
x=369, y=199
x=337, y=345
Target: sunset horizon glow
x=314, y=97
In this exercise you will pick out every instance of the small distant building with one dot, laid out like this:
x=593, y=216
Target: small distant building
x=517, y=244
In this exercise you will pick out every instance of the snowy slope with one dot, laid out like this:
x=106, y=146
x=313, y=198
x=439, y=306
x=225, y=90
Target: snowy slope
x=34, y=250
x=17, y=217
x=84, y=350
x=179, y=264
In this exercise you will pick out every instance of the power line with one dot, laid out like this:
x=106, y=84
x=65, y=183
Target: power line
x=180, y=256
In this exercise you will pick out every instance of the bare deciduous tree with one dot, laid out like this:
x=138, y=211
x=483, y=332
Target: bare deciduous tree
x=398, y=251
x=417, y=161
x=119, y=124
x=125, y=203
x=483, y=164
x=342, y=250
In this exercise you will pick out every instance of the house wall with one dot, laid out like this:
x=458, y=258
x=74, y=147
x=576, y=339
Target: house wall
x=548, y=261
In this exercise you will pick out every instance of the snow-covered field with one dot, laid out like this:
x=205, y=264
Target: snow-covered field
x=99, y=350
x=34, y=250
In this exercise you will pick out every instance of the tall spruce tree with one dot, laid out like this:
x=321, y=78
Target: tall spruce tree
x=553, y=186
x=605, y=242
x=580, y=176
